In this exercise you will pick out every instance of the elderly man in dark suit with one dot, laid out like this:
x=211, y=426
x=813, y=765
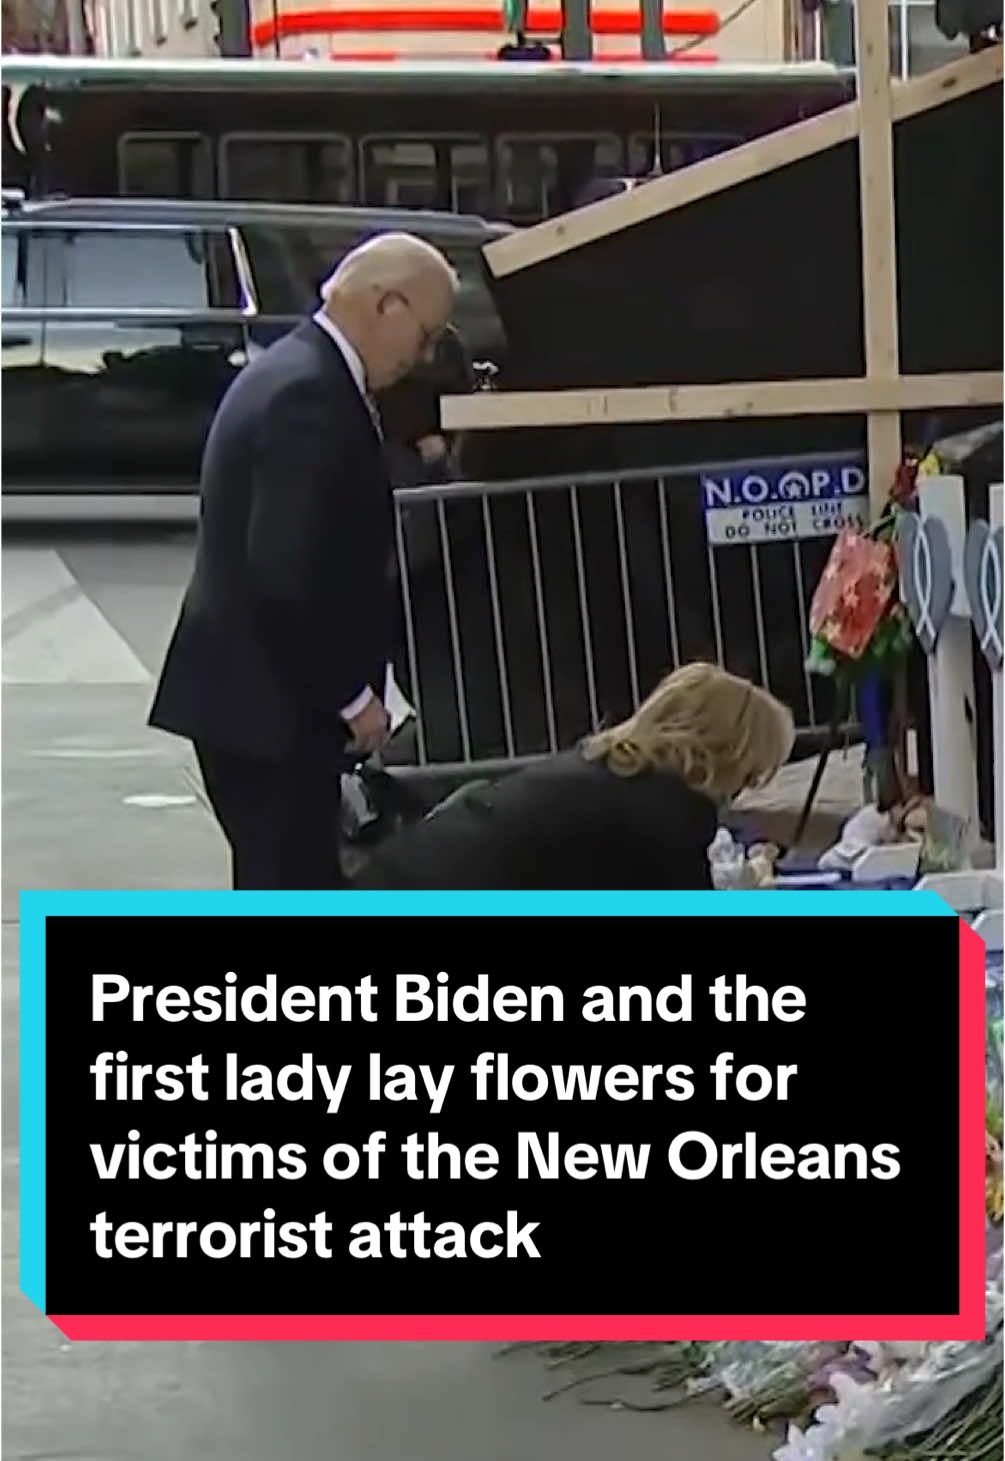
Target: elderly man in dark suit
x=277, y=667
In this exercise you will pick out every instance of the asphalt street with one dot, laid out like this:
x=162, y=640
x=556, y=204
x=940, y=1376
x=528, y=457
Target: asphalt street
x=93, y=799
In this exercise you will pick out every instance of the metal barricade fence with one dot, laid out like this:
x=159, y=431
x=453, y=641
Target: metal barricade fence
x=534, y=611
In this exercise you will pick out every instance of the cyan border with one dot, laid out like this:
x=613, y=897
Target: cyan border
x=32, y=1105
x=221, y=904
x=36, y=907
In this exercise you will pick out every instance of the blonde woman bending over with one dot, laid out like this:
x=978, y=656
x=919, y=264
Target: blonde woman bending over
x=634, y=806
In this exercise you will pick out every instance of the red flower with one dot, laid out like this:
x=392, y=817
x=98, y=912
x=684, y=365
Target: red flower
x=905, y=481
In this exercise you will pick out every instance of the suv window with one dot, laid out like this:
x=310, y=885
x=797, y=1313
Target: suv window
x=290, y=263
x=126, y=268
x=23, y=267
x=475, y=313
x=13, y=277
x=283, y=269
x=314, y=252
x=317, y=249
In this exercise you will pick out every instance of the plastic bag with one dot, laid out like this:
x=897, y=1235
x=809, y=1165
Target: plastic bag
x=733, y=866
x=930, y=1390
x=726, y=859
x=764, y=1376
x=853, y=594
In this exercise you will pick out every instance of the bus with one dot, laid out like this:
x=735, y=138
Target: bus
x=516, y=142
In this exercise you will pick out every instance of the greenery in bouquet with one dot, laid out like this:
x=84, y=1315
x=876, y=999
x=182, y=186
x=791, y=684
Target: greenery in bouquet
x=767, y=1381
x=887, y=651
x=669, y=1365
x=993, y=1183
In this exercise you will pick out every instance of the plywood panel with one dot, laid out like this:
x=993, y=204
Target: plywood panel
x=763, y=282
x=558, y=236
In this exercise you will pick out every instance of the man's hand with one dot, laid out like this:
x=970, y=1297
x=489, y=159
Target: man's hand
x=370, y=729
x=432, y=449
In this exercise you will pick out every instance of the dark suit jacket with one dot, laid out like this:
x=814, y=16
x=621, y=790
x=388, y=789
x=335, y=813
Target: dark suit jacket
x=560, y=823
x=290, y=608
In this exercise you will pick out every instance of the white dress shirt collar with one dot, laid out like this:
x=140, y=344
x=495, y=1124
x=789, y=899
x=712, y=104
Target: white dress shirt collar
x=349, y=351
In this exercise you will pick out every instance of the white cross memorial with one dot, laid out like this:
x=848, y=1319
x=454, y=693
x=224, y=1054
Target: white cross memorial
x=952, y=582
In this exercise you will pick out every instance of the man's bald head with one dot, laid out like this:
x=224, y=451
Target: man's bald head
x=392, y=296
x=389, y=260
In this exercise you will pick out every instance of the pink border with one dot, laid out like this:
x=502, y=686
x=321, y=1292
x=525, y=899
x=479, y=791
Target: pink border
x=973, y=1097
x=968, y=1323
x=500, y=1328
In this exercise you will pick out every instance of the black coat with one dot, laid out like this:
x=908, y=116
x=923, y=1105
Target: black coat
x=560, y=823
x=290, y=608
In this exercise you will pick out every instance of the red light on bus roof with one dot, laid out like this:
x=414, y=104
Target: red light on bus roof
x=615, y=58
x=540, y=20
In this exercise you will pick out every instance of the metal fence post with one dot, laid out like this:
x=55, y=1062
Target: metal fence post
x=653, y=48
x=577, y=32
x=76, y=27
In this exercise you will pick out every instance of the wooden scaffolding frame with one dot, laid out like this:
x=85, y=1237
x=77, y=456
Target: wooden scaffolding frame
x=883, y=392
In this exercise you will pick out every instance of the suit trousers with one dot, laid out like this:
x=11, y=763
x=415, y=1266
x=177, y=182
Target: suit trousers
x=280, y=817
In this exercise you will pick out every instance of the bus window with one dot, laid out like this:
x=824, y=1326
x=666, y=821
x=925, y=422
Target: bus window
x=165, y=165
x=297, y=167
x=449, y=173
x=676, y=150
x=541, y=176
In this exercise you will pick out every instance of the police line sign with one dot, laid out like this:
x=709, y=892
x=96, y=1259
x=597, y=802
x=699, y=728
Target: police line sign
x=768, y=506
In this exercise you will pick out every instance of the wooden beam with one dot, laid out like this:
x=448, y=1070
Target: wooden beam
x=569, y=231
x=879, y=238
x=618, y=405
x=947, y=83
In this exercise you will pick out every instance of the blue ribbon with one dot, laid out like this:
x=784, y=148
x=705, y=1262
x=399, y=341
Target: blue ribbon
x=872, y=710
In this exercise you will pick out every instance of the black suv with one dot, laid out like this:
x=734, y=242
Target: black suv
x=125, y=320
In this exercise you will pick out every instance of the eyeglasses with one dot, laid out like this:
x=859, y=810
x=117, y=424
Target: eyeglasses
x=430, y=338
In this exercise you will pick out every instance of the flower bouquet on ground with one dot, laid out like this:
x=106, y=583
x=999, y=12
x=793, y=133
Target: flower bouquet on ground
x=936, y=1401
x=767, y=1381
x=844, y=1400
